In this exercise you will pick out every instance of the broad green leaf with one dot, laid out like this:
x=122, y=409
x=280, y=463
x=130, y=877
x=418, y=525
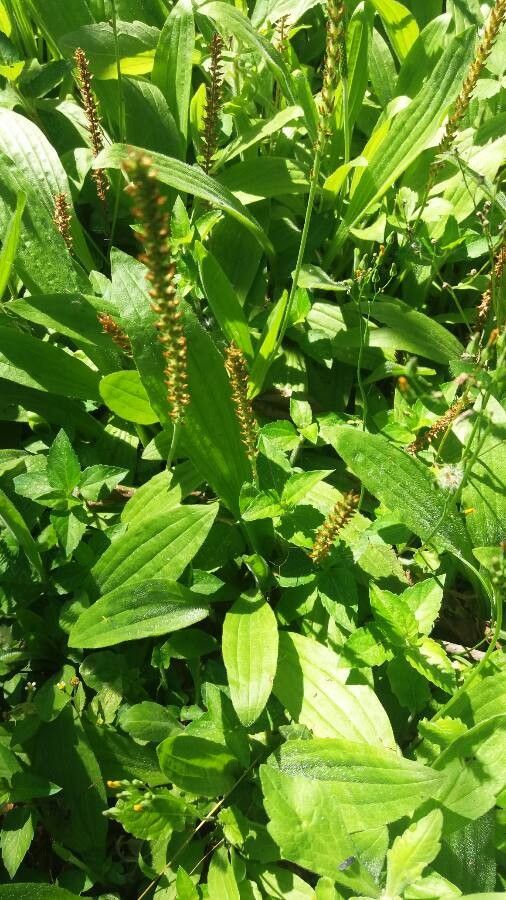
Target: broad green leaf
x=142, y=610
x=250, y=654
x=419, y=333
x=136, y=46
x=151, y=821
x=172, y=69
x=161, y=493
x=412, y=851
x=231, y=19
x=57, y=19
x=221, y=880
x=310, y=685
x=28, y=361
x=35, y=891
x=14, y=521
x=16, y=837
x=485, y=493
x=372, y=785
x=400, y=25
x=268, y=348
x=300, y=484
x=257, y=133
x=125, y=395
x=147, y=117
x=429, y=658
x=185, y=887
x=73, y=316
x=404, y=485
x=63, y=466
x=223, y=300
x=43, y=176
x=98, y=481
x=264, y=177
x=148, y=721
x=158, y=547
x=187, y=179
x=310, y=831
x=198, y=765
x=473, y=766
x=10, y=243
x=410, y=133
x=394, y=617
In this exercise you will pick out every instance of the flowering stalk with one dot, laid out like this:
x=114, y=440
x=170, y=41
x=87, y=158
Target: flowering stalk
x=62, y=218
x=335, y=41
x=495, y=285
x=116, y=333
x=93, y=119
x=238, y=374
x=150, y=211
x=439, y=427
x=335, y=521
x=214, y=94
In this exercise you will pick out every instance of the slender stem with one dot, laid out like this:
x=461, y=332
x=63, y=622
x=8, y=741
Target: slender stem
x=173, y=444
x=121, y=119
x=303, y=241
x=346, y=119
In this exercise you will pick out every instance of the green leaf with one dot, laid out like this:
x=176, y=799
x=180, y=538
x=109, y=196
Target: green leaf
x=310, y=831
x=10, y=243
x=429, y=658
x=63, y=466
x=404, y=485
x=221, y=880
x=300, y=484
x=125, y=395
x=57, y=20
x=187, y=179
x=148, y=721
x=185, y=887
x=161, y=546
x=411, y=132
x=400, y=25
x=14, y=521
x=485, y=493
x=98, y=481
x=250, y=654
x=311, y=686
x=28, y=361
x=412, y=851
x=372, y=785
x=418, y=333
x=17, y=835
x=150, y=818
x=198, y=765
x=264, y=177
x=394, y=617
x=172, y=69
x=269, y=346
x=223, y=300
x=143, y=610
x=36, y=891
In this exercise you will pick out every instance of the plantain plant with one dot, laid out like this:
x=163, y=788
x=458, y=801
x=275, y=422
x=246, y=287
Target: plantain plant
x=252, y=472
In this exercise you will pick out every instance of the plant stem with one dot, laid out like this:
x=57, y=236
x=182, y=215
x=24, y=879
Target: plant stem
x=173, y=444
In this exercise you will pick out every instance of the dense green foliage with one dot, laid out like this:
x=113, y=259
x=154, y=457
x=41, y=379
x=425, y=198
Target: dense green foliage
x=252, y=480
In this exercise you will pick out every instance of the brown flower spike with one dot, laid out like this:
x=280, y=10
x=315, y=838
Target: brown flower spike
x=62, y=218
x=214, y=95
x=438, y=427
x=496, y=285
x=238, y=373
x=115, y=332
x=91, y=112
x=492, y=28
x=150, y=211
x=328, y=532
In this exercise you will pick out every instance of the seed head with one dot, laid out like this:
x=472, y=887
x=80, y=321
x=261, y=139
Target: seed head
x=335, y=521
x=335, y=57
x=115, y=332
x=238, y=374
x=62, y=218
x=438, y=427
x=214, y=96
x=150, y=211
x=496, y=285
x=93, y=119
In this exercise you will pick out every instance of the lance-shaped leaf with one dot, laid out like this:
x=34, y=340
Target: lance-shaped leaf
x=172, y=69
x=250, y=654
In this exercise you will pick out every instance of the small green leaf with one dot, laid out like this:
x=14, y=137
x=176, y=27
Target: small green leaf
x=139, y=611
x=17, y=835
x=125, y=395
x=250, y=654
x=148, y=721
x=412, y=851
x=172, y=69
x=63, y=466
x=198, y=765
x=223, y=300
x=14, y=521
x=10, y=243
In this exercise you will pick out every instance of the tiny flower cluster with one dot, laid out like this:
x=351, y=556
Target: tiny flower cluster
x=438, y=428
x=62, y=218
x=238, y=374
x=115, y=332
x=334, y=60
x=214, y=96
x=91, y=112
x=488, y=295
